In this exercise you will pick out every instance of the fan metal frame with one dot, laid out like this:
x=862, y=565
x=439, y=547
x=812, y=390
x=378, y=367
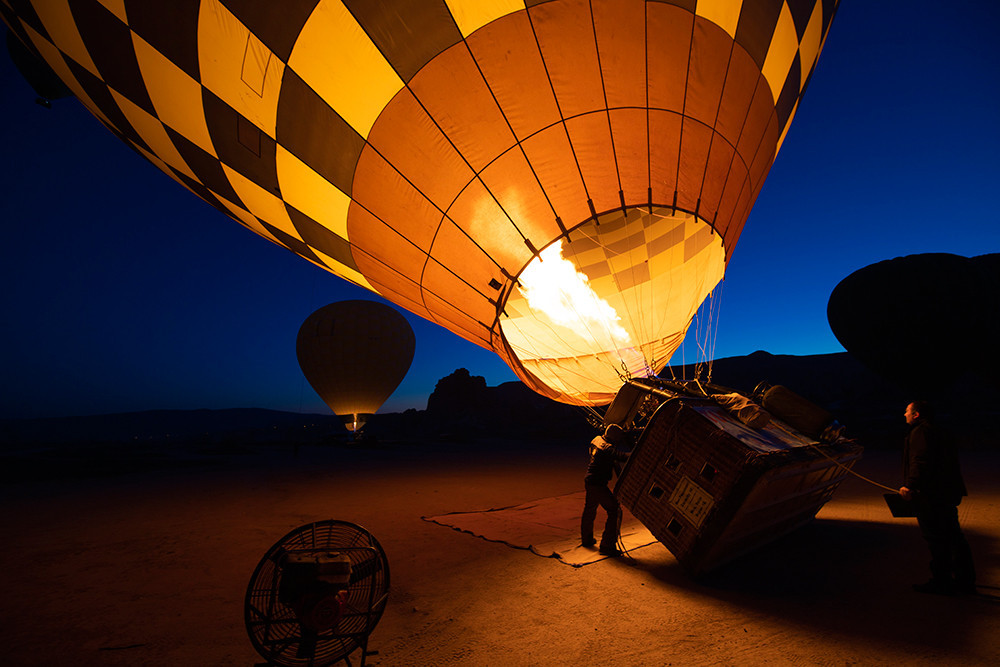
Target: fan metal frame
x=274, y=629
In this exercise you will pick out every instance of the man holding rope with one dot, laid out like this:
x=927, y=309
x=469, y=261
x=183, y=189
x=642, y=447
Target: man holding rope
x=933, y=481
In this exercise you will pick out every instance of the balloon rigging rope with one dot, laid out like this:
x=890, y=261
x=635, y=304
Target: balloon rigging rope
x=636, y=311
x=815, y=445
x=715, y=312
x=705, y=347
x=534, y=350
x=624, y=550
x=566, y=373
x=851, y=471
x=703, y=342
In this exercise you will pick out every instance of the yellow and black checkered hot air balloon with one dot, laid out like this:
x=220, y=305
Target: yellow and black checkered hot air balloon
x=560, y=181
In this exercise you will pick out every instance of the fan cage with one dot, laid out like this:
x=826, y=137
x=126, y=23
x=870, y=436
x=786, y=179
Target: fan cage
x=274, y=629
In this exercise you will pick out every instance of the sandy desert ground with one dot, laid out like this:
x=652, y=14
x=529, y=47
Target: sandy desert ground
x=151, y=567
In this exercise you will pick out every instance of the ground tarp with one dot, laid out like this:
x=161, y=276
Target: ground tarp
x=548, y=527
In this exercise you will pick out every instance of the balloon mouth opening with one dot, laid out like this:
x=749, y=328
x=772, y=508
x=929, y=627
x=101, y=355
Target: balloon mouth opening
x=355, y=422
x=610, y=300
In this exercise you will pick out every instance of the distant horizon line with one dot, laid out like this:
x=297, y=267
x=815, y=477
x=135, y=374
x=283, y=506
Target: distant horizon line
x=331, y=414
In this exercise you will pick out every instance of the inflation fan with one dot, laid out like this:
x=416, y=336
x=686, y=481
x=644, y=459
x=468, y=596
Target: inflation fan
x=317, y=594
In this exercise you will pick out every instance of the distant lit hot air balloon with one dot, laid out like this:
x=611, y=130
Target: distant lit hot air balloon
x=355, y=354
x=562, y=182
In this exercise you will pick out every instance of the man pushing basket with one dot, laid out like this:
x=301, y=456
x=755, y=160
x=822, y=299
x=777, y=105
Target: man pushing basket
x=605, y=452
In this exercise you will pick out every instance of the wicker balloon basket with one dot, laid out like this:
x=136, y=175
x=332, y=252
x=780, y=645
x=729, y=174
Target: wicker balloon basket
x=711, y=487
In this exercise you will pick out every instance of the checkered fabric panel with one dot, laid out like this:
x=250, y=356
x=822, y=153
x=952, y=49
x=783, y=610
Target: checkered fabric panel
x=620, y=249
x=465, y=136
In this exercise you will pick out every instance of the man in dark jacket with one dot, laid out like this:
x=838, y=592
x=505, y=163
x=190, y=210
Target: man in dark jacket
x=604, y=454
x=933, y=481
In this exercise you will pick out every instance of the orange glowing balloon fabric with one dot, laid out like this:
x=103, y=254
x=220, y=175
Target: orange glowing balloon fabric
x=431, y=151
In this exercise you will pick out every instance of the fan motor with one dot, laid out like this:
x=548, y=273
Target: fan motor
x=315, y=587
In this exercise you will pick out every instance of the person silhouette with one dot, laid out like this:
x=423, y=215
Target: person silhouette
x=605, y=452
x=933, y=480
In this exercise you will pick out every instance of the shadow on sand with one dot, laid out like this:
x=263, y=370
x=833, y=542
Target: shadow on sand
x=850, y=578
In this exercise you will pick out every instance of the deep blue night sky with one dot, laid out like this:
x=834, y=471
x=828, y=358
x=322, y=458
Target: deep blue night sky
x=123, y=291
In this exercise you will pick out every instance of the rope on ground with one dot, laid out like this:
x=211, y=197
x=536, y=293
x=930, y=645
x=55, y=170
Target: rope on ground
x=621, y=543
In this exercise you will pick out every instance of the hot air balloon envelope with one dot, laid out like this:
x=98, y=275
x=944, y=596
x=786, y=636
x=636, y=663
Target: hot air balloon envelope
x=920, y=321
x=355, y=354
x=562, y=181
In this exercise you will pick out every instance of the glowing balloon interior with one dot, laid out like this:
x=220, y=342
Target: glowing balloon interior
x=355, y=354
x=446, y=154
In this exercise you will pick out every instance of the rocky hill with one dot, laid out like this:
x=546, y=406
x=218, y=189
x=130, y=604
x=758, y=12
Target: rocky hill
x=462, y=406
